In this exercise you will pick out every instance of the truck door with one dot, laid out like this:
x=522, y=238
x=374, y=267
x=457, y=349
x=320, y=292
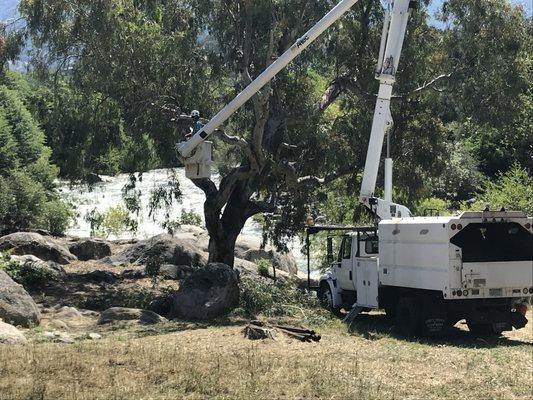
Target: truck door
x=344, y=265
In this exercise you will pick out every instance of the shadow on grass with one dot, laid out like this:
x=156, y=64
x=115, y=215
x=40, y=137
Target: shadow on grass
x=375, y=326
x=176, y=326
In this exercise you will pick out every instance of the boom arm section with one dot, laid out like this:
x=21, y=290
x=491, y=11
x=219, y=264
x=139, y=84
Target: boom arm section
x=187, y=148
x=392, y=40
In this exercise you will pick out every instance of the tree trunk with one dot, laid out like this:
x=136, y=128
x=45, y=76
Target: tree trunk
x=224, y=229
x=222, y=250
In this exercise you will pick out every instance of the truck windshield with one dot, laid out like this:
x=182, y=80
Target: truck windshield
x=493, y=242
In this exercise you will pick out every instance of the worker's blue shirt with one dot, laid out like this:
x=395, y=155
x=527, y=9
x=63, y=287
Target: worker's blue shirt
x=196, y=127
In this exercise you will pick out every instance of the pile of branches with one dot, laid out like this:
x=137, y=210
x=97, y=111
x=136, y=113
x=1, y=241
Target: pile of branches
x=258, y=330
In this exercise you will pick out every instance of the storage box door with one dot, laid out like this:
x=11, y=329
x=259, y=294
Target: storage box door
x=367, y=283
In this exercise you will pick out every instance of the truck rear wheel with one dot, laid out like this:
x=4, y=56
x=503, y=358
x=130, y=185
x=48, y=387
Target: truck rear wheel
x=326, y=300
x=408, y=321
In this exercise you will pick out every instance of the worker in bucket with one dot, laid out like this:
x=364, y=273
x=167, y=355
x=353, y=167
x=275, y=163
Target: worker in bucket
x=196, y=125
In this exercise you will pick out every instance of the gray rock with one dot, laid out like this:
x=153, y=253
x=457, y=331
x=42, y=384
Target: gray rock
x=210, y=292
x=94, y=336
x=170, y=250
x=32, y=263
x=68, y=313
x=175, y=272
x=133, y=274
x=283, y=262
x=16, y=305
x=10, y=335
x=151, y=318
x=90, y=249
x=130, y=314
x=162, y=305
x=58, y=337
x=45, y=248
x=99, y=276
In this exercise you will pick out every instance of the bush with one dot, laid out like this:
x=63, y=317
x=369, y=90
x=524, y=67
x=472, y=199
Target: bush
x=433, y=206
x=263, y=267
x=114, y=221
x=153, y=266
x=187, y=218
x=512, y=190
x=190, y=218
x=57, y=217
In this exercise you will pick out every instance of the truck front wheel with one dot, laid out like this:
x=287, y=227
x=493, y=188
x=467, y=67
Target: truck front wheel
x=326, y=300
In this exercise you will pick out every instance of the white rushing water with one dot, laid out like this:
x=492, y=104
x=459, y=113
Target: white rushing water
x=107, y=194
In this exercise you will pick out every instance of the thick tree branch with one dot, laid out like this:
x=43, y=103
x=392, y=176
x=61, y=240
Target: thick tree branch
x=229, y=183
x=292, y=179
x=257, y=207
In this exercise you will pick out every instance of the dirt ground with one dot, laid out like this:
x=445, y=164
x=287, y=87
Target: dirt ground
x=192, y=361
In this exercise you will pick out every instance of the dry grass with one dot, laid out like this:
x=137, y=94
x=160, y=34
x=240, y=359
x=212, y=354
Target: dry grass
x=179, y=361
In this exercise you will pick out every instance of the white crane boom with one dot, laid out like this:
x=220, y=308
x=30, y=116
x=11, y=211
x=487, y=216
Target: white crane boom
x=196, y=152
x=394, y=29
x=188, y=147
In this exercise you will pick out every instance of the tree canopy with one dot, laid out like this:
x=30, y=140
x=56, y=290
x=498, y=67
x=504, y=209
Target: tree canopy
x=111, y=79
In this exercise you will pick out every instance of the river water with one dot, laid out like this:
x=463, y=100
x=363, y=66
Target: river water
x=107, y=194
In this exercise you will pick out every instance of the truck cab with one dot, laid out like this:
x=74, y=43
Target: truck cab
x=353, y=276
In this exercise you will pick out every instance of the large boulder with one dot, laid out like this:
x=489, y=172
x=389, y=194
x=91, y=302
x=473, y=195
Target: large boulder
x=10, y=335
x=169, y=249
x=16, y=305
x=115, y=314
x=90, y=249
x=45, y=248
x=209, y=292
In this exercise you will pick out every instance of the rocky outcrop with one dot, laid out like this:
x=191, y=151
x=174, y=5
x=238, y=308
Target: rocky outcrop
x=115, y=314
x=10, y=335
x=90, y=249
x=16, y=305
x=208, y=293
x=168, y=249
x=45, y=248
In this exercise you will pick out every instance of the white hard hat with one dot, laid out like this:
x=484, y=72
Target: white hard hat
x=195, y=113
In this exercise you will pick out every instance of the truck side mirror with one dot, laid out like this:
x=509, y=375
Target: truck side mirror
x=330, y=249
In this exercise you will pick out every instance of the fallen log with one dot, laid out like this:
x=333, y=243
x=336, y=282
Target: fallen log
x=258, y=330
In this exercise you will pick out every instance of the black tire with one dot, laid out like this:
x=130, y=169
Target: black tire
x=326, y=300
x=483, y=330
x=408, y=317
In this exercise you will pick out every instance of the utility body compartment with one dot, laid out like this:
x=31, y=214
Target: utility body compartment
x=430, y=272
x=474, y=255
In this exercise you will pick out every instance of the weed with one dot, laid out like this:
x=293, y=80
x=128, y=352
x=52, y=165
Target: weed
x=263, y=267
